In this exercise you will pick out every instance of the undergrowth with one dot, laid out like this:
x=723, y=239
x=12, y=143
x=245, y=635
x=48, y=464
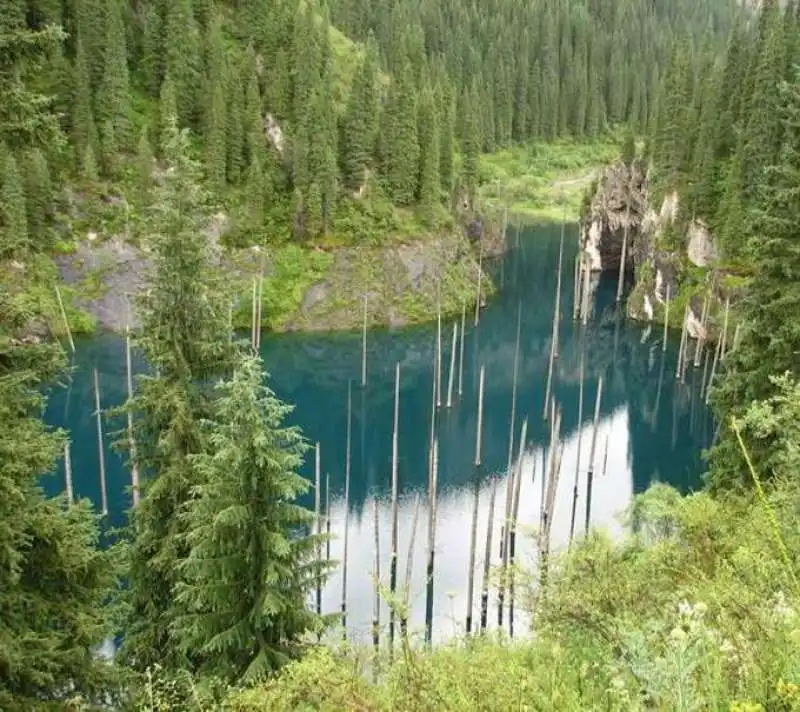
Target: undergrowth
x=698, y=608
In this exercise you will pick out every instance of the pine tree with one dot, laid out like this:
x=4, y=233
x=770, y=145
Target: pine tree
x=216, y=139
x=403, y=148
x=84, y=131
x=183, y=65
x=55, y=581
x=14, y=236
x=359, y=123
x=446, y=141
x=113, y=101
x=247, y=574
x=771, y=336
x=152, y=48
x=144, y=165
x=38, y=196
x=234, y=127
x=185, y=338
x=429, y=185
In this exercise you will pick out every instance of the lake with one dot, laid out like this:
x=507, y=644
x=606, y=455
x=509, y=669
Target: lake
x=652, y=427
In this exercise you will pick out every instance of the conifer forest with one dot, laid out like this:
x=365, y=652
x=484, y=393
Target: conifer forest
x=329, y=140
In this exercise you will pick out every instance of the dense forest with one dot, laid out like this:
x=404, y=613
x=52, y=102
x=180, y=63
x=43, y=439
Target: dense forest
x=305, y=120
x=727, y=139
x=303, y=130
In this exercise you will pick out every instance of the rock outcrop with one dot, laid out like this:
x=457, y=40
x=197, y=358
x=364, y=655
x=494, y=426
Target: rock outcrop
x=701, y=250
x=401, y=280
x=619, y=208
x=663, y=252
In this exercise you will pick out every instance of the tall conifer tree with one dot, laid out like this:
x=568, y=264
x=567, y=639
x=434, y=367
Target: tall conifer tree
x=248, y=573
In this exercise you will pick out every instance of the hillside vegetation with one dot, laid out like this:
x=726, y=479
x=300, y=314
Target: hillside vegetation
x=348, y=124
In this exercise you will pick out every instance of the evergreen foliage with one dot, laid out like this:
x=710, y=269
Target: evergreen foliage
x=185, y=338
x=248, y=574
x=14, y=235
x=359, y=123
x=55, y=581
x=402, y=161
x=771, y=340
x=113, y=101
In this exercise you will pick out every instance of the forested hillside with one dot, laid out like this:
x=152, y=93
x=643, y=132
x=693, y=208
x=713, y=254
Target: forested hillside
x=307, y=128
x=349, y=123
x=727, y=140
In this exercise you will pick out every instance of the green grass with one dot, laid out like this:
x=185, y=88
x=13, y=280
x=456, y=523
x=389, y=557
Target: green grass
x=33, y=288
x=292, y=270
x=544, y=182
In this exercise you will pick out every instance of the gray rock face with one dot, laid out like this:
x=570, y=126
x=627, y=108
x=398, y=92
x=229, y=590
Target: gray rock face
x=121, y=270
x=618, y=208
x=701, y=250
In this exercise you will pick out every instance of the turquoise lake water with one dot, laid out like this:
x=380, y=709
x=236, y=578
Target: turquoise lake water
x=652, y=426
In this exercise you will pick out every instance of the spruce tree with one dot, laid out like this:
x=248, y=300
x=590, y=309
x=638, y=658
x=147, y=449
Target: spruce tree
x=183, y=65
x=762, y=131
x=403, y=147
x=253, y=126
x=91, y=24
x=235, y=126
x=152, y=48
x=770, y=340
x=26, y=118
x=216, y=138
x=110, y=148
x=14, y=236
x=38, y=197
x=167, y=113
x=55, y=581
x=256, y=194
x=144, y=166
x=89, y=170
x=446, y=141
x=248, y=572
x=84, y=131
x=471, y=147
x=185, y=339
x=359, y=123
x=113, y=101
x=325, y=136
x=429, y=185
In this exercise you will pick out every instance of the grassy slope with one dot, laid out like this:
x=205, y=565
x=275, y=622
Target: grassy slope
x=544, y=182
x=696, y=612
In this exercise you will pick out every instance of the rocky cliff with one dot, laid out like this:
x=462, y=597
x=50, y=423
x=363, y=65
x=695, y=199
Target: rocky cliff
x=671, y=257
x=305, y=288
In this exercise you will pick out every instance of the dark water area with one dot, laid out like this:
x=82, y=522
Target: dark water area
x=652, y=427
